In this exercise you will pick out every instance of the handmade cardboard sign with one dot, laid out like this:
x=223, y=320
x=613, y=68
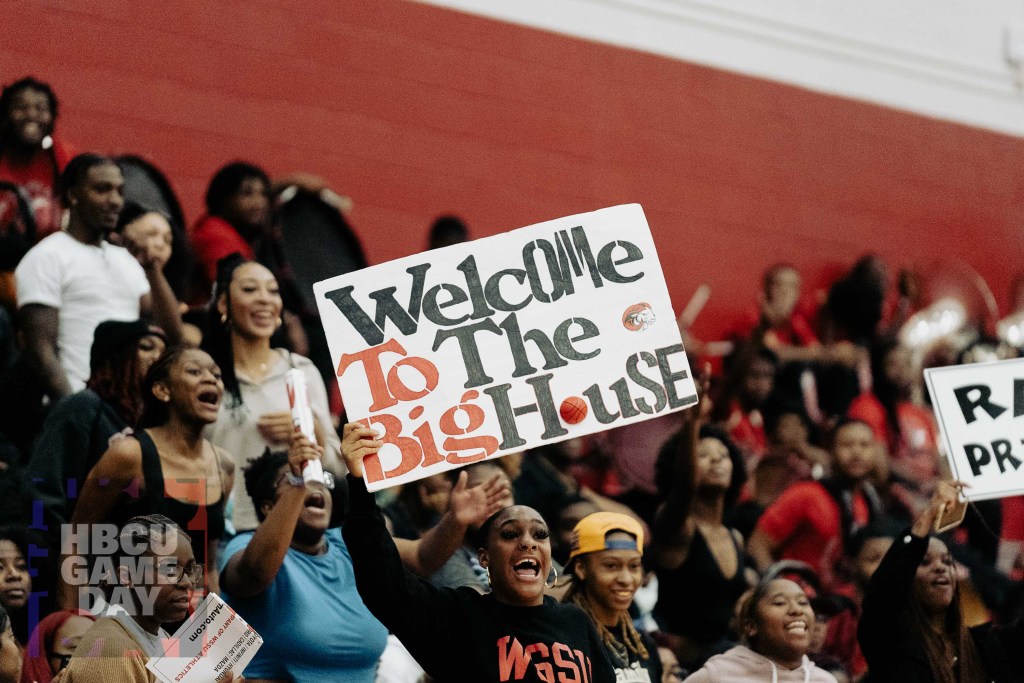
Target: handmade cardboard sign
x=495, y=346
x=980, y=409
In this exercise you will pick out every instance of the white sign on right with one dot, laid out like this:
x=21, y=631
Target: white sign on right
x=980, y=409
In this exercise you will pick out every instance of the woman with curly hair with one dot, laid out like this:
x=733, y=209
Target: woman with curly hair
x=698, y=559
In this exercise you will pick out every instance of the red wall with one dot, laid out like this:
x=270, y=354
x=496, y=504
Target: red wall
x=413, y=110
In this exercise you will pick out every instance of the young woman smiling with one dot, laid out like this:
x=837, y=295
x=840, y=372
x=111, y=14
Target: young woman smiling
x=514, y=632
x=256, y=415
x=606, y=567
x=167, y=467
x=911, y=629
x=776, y=619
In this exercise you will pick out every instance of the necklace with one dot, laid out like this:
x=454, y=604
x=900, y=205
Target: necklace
x=618, y=650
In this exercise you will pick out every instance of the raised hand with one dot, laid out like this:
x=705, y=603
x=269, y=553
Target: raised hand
x=702, y=411
x=472, y=506
x=301, y=450
x=946, y=495
x=357, y=442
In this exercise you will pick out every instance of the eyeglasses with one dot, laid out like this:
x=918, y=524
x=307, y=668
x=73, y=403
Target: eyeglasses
x=172, y=572
x=328, y=480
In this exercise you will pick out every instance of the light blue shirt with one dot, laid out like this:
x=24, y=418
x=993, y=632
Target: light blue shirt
x=314, y=625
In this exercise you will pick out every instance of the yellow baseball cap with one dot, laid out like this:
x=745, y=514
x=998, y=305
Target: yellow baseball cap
x=590, y=534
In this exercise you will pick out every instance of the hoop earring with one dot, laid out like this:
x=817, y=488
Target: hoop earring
x=487, y=573
x=280, y=322
x=553, y=580
x=223, y=318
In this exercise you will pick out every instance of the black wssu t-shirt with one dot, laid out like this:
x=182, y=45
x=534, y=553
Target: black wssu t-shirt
x=458, y=635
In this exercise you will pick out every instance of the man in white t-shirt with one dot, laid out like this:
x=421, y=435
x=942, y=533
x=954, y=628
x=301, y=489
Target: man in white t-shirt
x=73, y=280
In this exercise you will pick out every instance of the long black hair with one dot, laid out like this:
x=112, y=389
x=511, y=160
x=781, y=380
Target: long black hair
x=217, y=337
x=664, y=466
x=950, y=644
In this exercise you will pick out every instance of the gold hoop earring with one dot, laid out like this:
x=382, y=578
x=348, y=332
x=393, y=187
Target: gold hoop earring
x=223, y=318
x=553, y=580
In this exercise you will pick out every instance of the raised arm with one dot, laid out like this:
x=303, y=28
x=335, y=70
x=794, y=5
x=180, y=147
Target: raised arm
x=672, y=532
x=400, y=600
x=160, y=305
x=762, y=549
x=251, y=571
x=469, y=507
x=40, y=325
x=891, y=585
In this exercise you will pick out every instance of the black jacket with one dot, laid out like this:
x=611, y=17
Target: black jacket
x=459, y=634
x=76, y=433
x=896, y=653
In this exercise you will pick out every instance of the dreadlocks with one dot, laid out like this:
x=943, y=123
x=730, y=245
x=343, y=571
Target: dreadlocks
x=617, y=647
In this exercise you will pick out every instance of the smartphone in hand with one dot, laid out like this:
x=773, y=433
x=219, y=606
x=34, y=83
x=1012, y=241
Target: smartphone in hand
x=950, y=516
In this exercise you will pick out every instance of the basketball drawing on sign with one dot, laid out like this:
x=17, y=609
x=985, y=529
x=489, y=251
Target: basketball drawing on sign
x=573, y=410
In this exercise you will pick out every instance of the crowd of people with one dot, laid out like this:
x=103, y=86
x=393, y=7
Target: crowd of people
x=782, y=529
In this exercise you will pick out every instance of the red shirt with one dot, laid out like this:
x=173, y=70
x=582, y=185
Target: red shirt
x=805, y=522
x=212, y=239
x=38, y=177
x=747, y=431
x=794, y=332
x=1013, y=518
x=917, y=424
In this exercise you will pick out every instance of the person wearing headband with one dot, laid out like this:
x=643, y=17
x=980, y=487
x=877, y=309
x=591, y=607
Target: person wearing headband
x=606, y=569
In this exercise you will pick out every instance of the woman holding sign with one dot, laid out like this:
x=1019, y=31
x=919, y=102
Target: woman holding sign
x=514, y=632
x=255, y=415
x=911, y=629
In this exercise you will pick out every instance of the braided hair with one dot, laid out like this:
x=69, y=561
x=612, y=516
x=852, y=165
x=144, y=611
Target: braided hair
x=617, y=647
